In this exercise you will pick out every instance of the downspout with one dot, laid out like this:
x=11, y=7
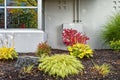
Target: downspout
x=76, y=11
x=77, y=6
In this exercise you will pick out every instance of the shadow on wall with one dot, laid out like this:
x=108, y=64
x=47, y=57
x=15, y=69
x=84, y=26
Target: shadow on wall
x=59, y=37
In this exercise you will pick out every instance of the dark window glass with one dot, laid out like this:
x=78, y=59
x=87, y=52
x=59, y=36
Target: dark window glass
x=21, y=18
x=1, y=18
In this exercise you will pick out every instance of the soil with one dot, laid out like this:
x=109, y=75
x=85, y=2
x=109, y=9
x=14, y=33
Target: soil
x=9, y=72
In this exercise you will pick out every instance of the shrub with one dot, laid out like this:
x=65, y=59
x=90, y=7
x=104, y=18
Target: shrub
x=71, y=37
x=43, y=49
x=8, y=53
x=115, y=45
x=27, y=69
x=103, y=69
x=60, y=65
x=80, y=50
x=112, y=29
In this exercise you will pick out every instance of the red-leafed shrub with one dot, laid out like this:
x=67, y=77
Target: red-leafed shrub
x=72, y=36
x=43, y=49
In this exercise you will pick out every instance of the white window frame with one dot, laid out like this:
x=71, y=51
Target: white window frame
x=39, y=10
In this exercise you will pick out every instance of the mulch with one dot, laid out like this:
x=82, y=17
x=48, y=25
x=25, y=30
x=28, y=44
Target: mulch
x=9, y=72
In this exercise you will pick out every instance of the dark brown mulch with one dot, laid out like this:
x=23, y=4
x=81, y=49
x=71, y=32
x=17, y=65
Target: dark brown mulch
x=9, y=72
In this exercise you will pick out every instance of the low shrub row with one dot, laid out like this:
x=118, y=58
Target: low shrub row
x=65, y=65
x=61, y=65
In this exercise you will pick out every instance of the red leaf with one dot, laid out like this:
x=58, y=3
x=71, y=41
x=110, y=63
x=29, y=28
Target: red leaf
x=71, y=37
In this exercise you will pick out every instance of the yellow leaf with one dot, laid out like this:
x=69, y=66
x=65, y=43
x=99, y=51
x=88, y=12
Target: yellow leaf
x=70, y=48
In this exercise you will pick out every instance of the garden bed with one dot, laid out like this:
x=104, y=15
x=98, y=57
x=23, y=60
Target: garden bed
x=9, y=72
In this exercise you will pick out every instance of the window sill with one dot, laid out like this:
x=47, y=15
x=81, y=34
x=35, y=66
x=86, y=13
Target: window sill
x=21, y=31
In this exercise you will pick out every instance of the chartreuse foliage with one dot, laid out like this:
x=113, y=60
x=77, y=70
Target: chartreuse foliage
x=103, y=69
x=1, y=1
x=8, y=53
x=43, y=49
x=80, y=50
x=115, y=45
x=60, y=65
x=27, y=2
x=27, y=69
x=112, y=29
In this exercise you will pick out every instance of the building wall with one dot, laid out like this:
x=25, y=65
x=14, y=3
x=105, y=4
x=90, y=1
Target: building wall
x=28, y=42
x=24, y=41
x=55, y=16
x=93, y=14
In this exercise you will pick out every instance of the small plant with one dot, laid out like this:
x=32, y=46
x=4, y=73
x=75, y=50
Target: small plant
x=71, y=37
x=27, y=69
x=5, y=51
x=80, y=50
x=60, y=65
x=112, y=29
x=115, y=45
x=8, y=53
x=43, y=50
x=103, y=69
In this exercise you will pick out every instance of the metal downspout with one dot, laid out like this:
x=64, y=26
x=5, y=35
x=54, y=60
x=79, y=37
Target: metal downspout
x=76, y=11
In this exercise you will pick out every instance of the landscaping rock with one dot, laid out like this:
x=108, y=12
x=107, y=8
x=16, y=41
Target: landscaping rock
x=24, y=61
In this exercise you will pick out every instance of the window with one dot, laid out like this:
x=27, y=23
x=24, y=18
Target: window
x=19, y=14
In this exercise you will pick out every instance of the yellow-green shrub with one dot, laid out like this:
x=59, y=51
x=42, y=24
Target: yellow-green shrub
x=80, y=50
x=8, y=53
x=27, y=69
x=60, y=65
x=43, y=49
x=103, y=69
x=115, y=45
